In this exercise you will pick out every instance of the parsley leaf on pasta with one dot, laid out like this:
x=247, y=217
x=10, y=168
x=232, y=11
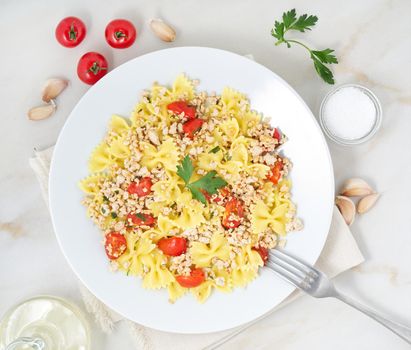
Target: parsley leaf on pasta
x=185, y=170
x=210, y=182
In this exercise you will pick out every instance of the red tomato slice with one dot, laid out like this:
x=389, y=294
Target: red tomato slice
x=142, y=188
x=70, y=32
x=263, y=253
x=115, y=245
x=173, y=246
x=275, y=174
x=178, y=107
x=197, y=276
x=192, y=126
x=140, y=219
x=233, y=207
x=277, y=135
x=120, y=33
x=91, y=67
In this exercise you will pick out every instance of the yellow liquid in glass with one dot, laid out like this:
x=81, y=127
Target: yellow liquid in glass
x=57, y=322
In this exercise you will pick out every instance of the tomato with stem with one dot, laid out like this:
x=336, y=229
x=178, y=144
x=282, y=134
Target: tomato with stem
x=91, y=67
x=120, y=33
x=70, y=31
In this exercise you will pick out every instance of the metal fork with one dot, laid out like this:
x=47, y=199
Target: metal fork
x=315, y=283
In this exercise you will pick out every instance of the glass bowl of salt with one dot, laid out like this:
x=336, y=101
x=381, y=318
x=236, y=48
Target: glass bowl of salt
x=350, y=114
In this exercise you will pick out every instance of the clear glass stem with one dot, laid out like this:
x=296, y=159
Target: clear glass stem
x=35, y=343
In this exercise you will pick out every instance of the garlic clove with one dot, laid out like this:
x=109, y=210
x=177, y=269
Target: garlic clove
x=347, y=208
x=367, y=202
x=53, y=88
x=356, y=187
x=162, y=30
x=41, y=112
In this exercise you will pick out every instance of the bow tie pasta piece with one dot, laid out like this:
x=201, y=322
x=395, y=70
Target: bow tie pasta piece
x=118, y=125
x=233, y=101
x=158, y=276
x=100, y=158
x=92, y=184
x=202, y=254
x=263, y=217
x=248, y=120
x=183, y=88
x=167, y=155
x=222, y=280
x=209, y=161
x=137, y=254
x=259, y=171
x=230, y=128
x=175, y=291
x=118, y=149
x=168, y=191
x=242, y=276
x=203, y=291
x=192, y=213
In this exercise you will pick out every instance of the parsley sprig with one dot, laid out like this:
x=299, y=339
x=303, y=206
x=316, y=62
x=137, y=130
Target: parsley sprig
x=303, y=23
x=209, y=182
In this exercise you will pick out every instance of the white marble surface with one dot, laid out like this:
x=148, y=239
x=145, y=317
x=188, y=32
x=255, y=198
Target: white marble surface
x=372, y=42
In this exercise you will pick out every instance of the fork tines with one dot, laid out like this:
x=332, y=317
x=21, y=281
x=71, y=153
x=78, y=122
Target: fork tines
x=291, y=269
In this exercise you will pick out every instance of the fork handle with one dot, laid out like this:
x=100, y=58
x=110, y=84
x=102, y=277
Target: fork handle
x=402, y=331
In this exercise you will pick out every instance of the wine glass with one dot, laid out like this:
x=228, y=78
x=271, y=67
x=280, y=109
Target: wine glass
x=44, y=323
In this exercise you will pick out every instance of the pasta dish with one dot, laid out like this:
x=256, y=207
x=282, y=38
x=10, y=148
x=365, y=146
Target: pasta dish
x=191, y=191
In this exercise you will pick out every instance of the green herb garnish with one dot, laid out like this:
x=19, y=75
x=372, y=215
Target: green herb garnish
x=303, y=23
x=105, y=198
x=141, y=217
x=113, y=215
x=209, y=182
x=215, y=149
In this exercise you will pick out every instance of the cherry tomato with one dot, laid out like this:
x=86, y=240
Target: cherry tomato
x=142, y=188
x=263, y=253
x=120, y=33
x=275, y=173
x=233, y=207
x=91, y=67
x=70, y=31
x=196, y=277
x=277, y=135
x=115, y=245
x=140, y=219
x=173, y=246
x=179, y=107
x=191, y=126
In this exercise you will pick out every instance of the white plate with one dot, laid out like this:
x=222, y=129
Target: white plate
x=117, y=92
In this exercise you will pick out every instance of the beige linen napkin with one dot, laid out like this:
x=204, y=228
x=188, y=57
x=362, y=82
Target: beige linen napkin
x=339, y=254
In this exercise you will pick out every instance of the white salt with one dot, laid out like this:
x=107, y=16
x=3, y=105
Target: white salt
x=349, y=113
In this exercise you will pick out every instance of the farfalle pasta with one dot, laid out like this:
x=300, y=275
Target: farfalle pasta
x=190, y=192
